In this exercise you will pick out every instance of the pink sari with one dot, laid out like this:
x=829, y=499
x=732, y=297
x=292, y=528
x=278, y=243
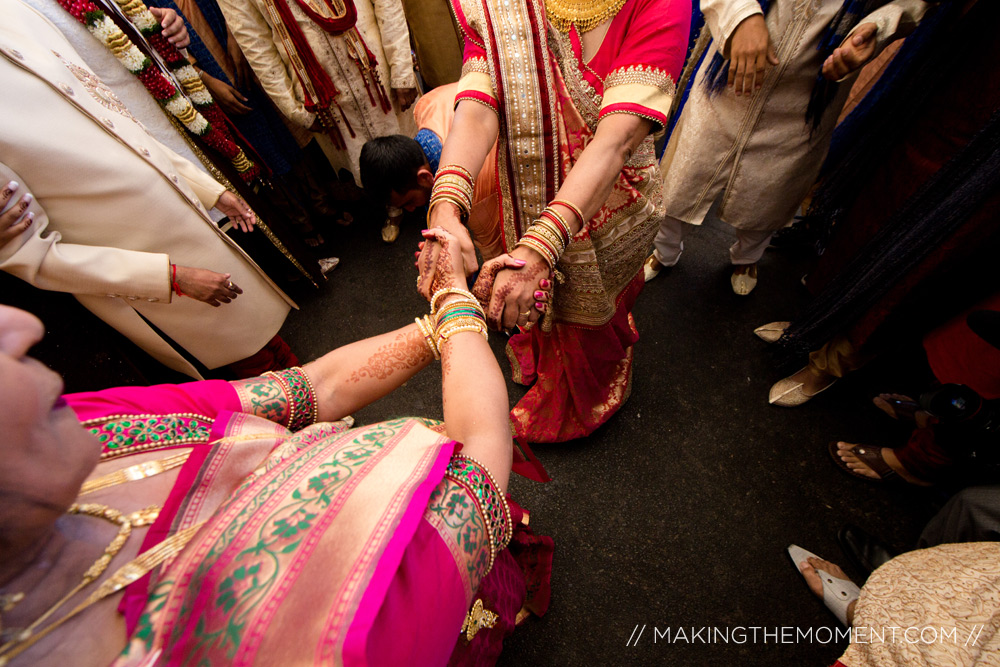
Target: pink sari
x=550, y=103
x=314, y=546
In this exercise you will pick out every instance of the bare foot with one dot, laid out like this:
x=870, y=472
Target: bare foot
x=845, y=450
x=813, y=569
x=884, y=402
x=812, y=383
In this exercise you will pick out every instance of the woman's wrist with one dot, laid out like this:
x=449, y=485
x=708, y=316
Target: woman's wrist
x=444, y=213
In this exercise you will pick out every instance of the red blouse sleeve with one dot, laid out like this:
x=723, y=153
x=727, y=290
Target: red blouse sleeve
x=642, y=72
x=475, y=83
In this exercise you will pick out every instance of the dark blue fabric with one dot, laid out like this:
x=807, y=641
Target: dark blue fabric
x=216, y=21
x=431, y=144
x=262, y=127
x=946, y=201
x=697, y=23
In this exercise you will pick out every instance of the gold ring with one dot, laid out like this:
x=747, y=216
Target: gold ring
x=230, y=284
x=526, y=313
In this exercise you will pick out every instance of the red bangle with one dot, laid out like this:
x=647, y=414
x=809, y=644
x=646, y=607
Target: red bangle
x=173, y=281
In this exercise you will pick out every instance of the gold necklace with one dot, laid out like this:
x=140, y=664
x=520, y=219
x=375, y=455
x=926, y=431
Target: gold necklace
x=586, y=14
x=134, y=473
x=19, y=639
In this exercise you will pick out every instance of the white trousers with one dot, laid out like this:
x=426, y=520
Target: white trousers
x=669, y=243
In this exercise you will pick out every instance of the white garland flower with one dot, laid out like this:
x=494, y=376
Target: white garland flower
x=199, y=126
x=133, y=59
x=144, y=20
x=178, y=105
x=201, y=97
x=105, y=29
x=186, y=73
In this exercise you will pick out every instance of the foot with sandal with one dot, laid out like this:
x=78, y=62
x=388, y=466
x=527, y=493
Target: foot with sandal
x=827, y=582
x=876, y=464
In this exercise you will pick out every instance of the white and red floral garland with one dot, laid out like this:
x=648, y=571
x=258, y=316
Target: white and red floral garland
x=196, y=109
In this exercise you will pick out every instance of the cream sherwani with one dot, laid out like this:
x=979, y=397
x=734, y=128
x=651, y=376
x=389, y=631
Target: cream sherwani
x=114, y=207
x=382, y=25
x=757, y=152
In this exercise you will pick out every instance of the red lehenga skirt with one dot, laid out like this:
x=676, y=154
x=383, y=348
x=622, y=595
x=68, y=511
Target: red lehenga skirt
x=580, y=376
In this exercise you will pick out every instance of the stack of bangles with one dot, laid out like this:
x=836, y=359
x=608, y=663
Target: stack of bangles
x=453, y=183
x=456, y=316
x=550, y=233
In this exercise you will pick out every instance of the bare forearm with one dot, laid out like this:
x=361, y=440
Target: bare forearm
x=355, y=375
x=475, y=403
x=472, y=135
x=589, y=183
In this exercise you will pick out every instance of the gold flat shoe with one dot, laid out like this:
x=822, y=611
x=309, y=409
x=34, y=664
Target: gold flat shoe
x=771, y=332
x=744, y=282
x=651, y=268
x=390, y=231
x=788, y=393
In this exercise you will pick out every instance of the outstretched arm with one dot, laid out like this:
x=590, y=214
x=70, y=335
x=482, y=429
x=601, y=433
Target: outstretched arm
x=588, y=184
x=474, y=394
x=355, y=375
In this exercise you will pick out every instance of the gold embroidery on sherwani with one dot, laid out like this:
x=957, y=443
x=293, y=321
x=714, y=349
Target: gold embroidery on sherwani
x=98, y=89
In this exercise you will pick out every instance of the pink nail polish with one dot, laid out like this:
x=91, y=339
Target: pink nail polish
x=545, y=284
x=520, y=262
x=539, y=305
x=539, y=295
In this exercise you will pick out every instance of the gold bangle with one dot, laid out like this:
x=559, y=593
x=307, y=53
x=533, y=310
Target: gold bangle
x=459, y=168
x=426, y=331
x=450, y=290
x=449, y=331
x=571, y=206
x=538, y=245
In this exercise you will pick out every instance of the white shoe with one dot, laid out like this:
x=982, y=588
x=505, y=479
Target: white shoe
x=838, y=594
x=328, y=264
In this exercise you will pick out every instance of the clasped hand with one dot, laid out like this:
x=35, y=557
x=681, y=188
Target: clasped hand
x=514, y=289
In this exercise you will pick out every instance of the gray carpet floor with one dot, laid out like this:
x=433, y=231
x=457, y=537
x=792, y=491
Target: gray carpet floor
x=675, y=514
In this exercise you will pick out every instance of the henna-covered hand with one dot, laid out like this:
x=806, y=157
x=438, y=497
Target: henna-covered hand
x=513, y=300
x=445, y=216
x=440, y=262
x=483, y=289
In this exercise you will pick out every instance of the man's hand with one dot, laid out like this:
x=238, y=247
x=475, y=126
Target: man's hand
x=237, y=210
x=751, y=53
x=230, y=99
x=15, y=220
x=852, y=54
x=173, y=26
x=208, y=286
x=405, y=97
